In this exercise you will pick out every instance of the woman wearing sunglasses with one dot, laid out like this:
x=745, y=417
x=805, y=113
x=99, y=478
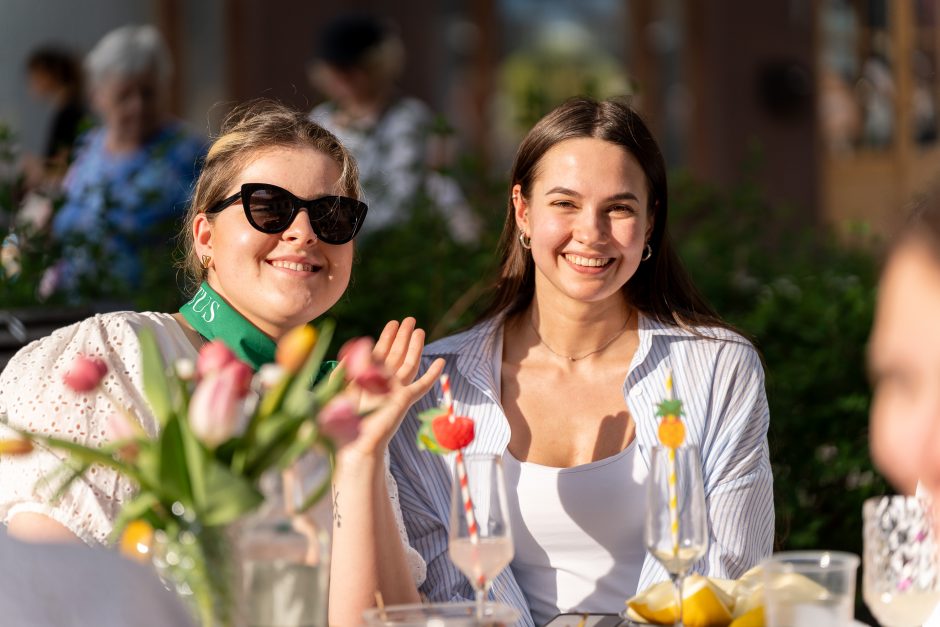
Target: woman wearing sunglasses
x=268, y=243
x=562, y=377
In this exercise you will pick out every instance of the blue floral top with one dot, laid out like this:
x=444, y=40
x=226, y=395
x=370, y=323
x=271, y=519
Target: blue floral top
x=118, y=205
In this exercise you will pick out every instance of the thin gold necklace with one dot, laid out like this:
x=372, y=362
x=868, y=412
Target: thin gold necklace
x=580, y=357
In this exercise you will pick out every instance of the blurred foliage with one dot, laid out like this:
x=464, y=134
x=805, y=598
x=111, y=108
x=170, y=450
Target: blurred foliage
x=416, y=269
x=807, y=301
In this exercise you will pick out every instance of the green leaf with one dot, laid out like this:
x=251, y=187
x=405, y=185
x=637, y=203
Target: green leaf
x=196, y=455
x=304, y=441
x=428, y=415
x=154, y=375
x=273, y=438
x=670, y=408
x=174, y=473
x=427, y=441
x=86, y=454
x=228, y=496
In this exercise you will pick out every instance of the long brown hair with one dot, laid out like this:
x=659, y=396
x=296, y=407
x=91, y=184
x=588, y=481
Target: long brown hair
x=660, y=288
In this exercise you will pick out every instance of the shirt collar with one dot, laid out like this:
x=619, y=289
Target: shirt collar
x=474, y=351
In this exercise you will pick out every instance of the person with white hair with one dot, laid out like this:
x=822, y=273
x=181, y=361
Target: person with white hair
x=132, y=174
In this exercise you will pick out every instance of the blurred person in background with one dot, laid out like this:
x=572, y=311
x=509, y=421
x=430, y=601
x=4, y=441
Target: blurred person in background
x=904, y=362
x=55, y=76
x=132, y=174
x=357, y=63
x=904, y=357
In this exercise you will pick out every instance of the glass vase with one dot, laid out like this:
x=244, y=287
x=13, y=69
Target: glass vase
x=201, y=565
x=285, y=554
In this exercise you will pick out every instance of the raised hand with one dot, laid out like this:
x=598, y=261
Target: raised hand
x=398, y=349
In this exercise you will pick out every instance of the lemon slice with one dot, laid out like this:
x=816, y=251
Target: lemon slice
x=704, y=604
x=751, y=618
x=749, y=592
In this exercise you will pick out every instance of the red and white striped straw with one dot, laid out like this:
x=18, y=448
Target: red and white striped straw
x=472, y=529
x=448, y=397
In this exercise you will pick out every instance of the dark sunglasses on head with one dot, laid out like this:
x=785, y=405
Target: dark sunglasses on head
x=271, y=209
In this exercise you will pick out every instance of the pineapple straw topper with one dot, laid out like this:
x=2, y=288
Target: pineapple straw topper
x=672, y=435
x=441, y=432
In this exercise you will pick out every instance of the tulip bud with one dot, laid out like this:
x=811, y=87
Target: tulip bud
x=215, y=410
x=362, y=368
x=120, y=428
x=15, y=446
x=213, y=357
x=185, y=369
x=85, y=374
x=270, y=375
x=339, y=420
x=294, y=348
x=356, y=355
x=137, y=540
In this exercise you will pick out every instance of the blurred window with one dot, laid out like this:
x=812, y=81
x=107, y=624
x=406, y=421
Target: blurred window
x=858, y=93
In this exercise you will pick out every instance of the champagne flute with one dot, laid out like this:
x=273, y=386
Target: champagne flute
x=901, y=578
x=676, y=528
x=480, y=534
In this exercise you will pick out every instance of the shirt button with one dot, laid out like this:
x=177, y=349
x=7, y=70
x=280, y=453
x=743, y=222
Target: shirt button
x=636, y=391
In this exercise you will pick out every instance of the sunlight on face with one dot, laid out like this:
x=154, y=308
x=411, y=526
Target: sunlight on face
x=279, y=280
x=587, y=217
x=905, y=368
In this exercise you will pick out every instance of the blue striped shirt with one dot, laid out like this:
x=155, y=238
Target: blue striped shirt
x=720, y=380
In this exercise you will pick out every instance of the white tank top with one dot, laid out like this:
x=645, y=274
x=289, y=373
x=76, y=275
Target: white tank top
x=578, y=532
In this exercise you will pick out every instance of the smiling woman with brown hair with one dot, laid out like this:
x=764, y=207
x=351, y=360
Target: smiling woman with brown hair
x=562, y=377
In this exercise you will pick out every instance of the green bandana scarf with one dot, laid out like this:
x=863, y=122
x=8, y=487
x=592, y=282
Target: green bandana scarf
x=213, y=318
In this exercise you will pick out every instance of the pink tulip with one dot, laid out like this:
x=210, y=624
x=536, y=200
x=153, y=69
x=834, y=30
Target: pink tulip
x=362, y=368
x=85, y=374
x=120, y=428
x=213, y=357
x=339, y=420
x=216, y=408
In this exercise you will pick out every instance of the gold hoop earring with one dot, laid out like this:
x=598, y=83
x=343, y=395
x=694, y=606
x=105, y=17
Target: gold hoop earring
x=206, y=259
x=525, y=240
x=647, y=252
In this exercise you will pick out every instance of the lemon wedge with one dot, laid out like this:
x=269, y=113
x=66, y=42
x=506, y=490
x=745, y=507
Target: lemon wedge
x=704, y=604
x=751, y=618
x=749, y=592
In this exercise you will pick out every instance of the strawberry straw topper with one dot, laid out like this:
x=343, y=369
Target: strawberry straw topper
x=672, y=435
x=441, y=432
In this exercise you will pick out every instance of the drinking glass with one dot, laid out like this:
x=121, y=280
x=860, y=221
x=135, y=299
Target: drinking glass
x=676, y=528
x=901, y=579
x=481, y=552
x=809, y=588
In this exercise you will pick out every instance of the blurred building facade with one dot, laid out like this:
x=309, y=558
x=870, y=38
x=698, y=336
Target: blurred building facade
x=830, y=105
